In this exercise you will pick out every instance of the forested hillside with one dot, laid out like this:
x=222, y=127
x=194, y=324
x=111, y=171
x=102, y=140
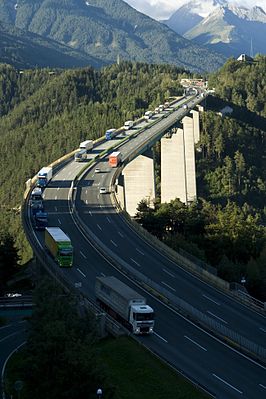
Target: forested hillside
x=107, y=29
x=25, y=50
x=243, y=84
x=45, y=114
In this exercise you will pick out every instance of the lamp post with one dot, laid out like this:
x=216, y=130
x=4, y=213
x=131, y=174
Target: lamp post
x=99, y=393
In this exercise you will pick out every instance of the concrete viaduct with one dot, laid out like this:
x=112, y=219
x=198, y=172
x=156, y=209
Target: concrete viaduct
x=178, y=168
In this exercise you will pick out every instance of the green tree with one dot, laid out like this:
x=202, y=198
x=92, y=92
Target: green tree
x=60, y=355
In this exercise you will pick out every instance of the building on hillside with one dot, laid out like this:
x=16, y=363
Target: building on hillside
x=245, y=58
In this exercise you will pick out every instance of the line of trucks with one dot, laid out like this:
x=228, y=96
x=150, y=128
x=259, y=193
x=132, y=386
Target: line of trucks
x=38, y=214
x=120, y=301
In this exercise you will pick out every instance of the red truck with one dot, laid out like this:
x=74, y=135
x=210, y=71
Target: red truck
x=115, y=159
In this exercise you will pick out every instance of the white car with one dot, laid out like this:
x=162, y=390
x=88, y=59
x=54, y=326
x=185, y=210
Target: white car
x=97, y=170
x=13, y=295
x=103, y=190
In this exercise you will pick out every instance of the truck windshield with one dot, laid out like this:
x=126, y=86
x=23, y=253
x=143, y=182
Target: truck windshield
x=66, y=252
x=144, y=316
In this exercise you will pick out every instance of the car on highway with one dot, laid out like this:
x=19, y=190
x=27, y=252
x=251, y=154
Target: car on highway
x=97, y=170
x=13, y=295
x=103, y=190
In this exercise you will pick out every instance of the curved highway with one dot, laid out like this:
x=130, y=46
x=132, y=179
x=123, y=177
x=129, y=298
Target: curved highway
x=203, y=358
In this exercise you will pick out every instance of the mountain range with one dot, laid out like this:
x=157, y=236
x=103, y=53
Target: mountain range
x=98, y=32
x=221, y=26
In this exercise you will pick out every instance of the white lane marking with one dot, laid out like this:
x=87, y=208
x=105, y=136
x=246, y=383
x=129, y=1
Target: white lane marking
x=136, y=263
x=99, y=227
x=227, y=383
x=82, y=254
x=59, y=221
x=195, y=343
x=121, y=235
x=8, y=336
x=8, y=325
x=157, y=335
x=140, y=252
x=90, y=213
x=167, y=272
x=113, y=243
x=109, y=221
x=55, y=197
x=168, y=286
x=55, y=208
x=262, y=329
x=210, y=299
x=102, y=274
x=84, y=275
x=262, y=386
x=217, y=317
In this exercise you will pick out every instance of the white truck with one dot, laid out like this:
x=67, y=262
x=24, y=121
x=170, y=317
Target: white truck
x=36, y=194
x=148, y=115
x=44, y=176
x=124, y=304
x=86, y=145
x=128, y=125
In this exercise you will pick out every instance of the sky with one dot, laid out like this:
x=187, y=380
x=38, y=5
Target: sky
x=163, y=9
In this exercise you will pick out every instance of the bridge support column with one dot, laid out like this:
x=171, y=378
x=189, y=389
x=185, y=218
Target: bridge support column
x=190, y=163
x=196, y=125
x=173, y=171
x=120, y=191
x=139, y=182
x=200, y=108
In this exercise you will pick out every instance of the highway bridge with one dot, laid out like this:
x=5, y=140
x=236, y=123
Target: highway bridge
x=195, y=321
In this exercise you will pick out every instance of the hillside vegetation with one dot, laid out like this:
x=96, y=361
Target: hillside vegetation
x=25, y=50
x=105, y=30
x=45, y=114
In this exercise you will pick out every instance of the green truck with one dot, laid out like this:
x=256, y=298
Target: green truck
x=59, y=245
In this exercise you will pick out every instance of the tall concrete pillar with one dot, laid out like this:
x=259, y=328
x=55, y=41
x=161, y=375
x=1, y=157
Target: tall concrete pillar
x=173, y=176
x=196, y=126
x=120, y=191
x=190, y=164
x=139, y=182
x=200, y=108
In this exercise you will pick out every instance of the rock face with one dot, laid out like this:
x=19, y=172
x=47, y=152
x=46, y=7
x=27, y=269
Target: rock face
x=222, y=27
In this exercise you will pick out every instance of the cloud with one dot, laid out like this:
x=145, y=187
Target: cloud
x=163, y=9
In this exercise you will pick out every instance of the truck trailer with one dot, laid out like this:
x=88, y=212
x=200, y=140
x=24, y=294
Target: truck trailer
x=115, y=159
x=124, y=304
x=44, y=176
x=86, y=145
x=59, y=245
